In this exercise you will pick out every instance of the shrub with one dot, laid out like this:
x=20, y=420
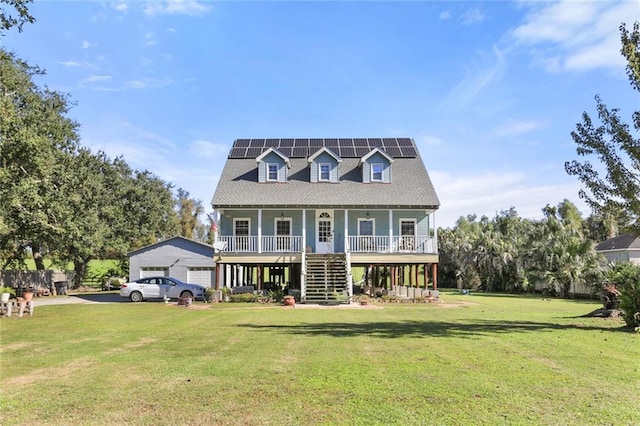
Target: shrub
x=276, y=295
x=243, y=298
x=10, y=290
x=626, y=276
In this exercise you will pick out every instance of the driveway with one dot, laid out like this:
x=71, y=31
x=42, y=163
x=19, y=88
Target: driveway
x=79, y=298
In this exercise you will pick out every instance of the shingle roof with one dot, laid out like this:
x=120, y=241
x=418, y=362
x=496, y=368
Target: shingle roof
x=621, y=242
x=411, y=187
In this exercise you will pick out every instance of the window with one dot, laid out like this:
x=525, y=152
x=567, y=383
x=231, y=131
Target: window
x=272, y=172
x=324, y=169
x=283, y=234
x=241, y=234
x=366, y=238
x=407, y=234
x=376, y=172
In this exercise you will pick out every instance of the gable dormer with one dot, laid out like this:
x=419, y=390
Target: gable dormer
x=324, y=165
x=273, y=166
x=376, y=167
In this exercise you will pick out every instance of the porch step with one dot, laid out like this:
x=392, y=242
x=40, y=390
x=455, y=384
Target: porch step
x=326, y=278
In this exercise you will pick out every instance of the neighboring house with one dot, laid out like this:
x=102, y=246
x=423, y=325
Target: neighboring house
x=623, y=248
x=305, y=212
x=179, y=257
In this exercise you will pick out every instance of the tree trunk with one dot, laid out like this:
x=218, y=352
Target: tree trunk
x=80, y=269
x=37, y=257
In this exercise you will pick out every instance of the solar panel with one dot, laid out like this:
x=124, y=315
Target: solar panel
x=299, y=152
x=254, y=152
x=237, y=153
x=409, y=152
x=361, y=151
x=375, y=142
x=344, y=147
x=347, y=152
x=286, y=150
x=394, y=152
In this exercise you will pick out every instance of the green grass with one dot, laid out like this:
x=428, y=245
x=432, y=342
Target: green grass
x=498, y=360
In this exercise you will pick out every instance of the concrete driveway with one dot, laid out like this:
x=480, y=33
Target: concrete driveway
x=79, y=298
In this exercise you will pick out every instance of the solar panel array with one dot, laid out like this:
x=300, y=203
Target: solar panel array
x=344, y=147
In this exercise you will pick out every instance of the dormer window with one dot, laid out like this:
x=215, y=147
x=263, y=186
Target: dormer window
x=272, y=174
x=376, y=172
x=324, y=172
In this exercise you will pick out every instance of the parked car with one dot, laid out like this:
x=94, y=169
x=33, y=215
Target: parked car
x=159, y=287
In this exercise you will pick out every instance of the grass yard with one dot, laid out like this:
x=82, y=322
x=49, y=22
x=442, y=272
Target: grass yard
x=497, y=359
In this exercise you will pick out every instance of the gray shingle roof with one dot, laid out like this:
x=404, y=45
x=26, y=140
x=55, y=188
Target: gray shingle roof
x=621, y=242
x=411, y=187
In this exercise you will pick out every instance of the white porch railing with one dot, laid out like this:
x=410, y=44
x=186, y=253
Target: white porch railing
x=397, y=244
x=356, y=244
x=270, y=244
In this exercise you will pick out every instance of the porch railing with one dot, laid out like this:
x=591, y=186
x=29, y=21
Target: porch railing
x=356, y=244
x=270, y=244
x=395, y=244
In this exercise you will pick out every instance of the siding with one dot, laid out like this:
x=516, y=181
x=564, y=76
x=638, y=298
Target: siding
x=272, y=158
x=315, y=166
x=376, y=158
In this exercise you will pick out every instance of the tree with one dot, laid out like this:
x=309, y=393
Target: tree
x=9, y=19
x=189, y=211
x=626, y=276
x=37, y=143
x=614, y=144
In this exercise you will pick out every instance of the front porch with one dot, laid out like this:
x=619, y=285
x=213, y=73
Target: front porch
x=354, y=244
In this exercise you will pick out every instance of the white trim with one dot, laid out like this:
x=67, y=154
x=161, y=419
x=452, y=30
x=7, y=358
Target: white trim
x=277, y=167
x=282, y=219
x=320, y=179
x=373, y=165
x=320, y=151
x=373, y=226
x=238, y=219
x=270, y=150
x=408, y=219
x=373, y=151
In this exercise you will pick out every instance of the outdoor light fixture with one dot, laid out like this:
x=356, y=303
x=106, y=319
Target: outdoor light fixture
x=281, y=216
x=367, y=216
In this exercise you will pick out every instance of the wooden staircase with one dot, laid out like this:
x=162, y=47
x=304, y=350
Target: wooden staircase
x=326, y=278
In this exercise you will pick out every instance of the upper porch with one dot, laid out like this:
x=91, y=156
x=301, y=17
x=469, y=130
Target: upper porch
x=322, y=230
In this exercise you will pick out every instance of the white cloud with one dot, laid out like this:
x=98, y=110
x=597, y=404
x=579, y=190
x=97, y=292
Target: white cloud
x=147, y=83
x=576, y=36
x=207, y=149
x=517, y=127
x=121, y=6
x=476, y=80
x=489, y=193
x=70, y=64
x=95, y=79
x=175, y=7
x=86, y=45
x=444, y=15
x=149, y=39
x=471, y=16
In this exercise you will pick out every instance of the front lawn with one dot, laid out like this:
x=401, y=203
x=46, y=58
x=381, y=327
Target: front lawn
x=496, y=359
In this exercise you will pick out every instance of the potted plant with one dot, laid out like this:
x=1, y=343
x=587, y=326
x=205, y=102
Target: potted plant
x=7, y=293
x=27, y=293
x=289, y=300
x=208, y=294
x=364, y=300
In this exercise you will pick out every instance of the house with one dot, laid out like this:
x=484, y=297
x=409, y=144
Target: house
x=623, y=248
x=179, y=257
x=308, y=214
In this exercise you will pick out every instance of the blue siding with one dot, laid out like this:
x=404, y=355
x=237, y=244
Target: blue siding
x=272, y=158
x=376, y=158
x=315, y=166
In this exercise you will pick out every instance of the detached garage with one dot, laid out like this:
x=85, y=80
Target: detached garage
x=178, y=257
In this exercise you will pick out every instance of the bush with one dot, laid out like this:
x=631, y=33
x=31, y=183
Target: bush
x=243, y=298
x=10, y=290
x=626, y=276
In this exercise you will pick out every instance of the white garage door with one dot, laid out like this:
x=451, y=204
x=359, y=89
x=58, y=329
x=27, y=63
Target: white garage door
x=205, y=276
x=154, y=272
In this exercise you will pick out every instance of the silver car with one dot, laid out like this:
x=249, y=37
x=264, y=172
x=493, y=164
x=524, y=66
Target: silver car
x=160, y=288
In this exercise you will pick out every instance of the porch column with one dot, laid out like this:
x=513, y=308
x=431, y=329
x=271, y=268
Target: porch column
x=426, y=276
x=303, y=266
x=434, y=272
x=259, y=230
x=390, y=245
x=435, y=235
x=346, y=230
x=218, y=275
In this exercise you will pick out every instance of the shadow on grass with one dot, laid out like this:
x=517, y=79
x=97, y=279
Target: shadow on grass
x=422, y=329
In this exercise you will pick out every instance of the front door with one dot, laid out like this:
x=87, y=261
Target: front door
x=324, y=231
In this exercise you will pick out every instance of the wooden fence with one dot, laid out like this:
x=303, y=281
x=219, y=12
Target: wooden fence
x=39, y=280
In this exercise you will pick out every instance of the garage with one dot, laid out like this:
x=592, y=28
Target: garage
x=205, y=276
x=154, y=272
x=178, y=257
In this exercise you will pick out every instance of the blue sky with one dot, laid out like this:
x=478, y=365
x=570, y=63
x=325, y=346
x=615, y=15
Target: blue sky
x=490, y=91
